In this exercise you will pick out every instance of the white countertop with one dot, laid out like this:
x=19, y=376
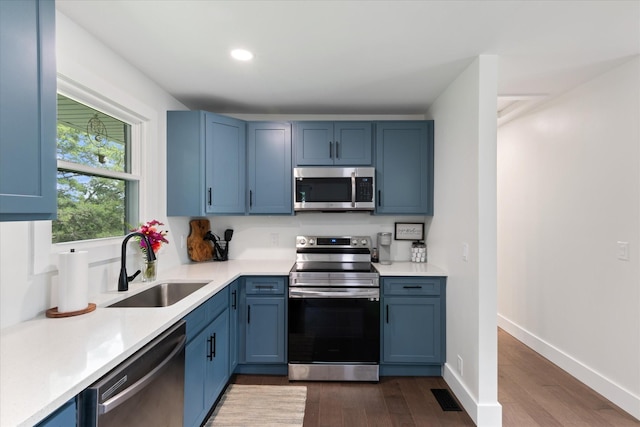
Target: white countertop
x=45, y=362
x=405, y=268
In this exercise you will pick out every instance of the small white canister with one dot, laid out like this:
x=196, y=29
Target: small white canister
x=418, y=252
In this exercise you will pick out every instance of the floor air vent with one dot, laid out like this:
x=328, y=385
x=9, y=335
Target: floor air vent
x=445, y=399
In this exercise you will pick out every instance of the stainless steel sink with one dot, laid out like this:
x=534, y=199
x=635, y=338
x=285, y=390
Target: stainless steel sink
x=161, y=295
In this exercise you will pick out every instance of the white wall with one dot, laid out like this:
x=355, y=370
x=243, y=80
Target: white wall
x=465, y=213
x=568, y=191
x=27, y=276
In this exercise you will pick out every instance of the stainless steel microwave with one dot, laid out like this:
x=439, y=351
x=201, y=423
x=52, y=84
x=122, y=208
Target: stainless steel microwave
x=333, y=189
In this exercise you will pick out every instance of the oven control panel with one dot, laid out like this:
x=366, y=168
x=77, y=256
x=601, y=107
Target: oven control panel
x=333, y=242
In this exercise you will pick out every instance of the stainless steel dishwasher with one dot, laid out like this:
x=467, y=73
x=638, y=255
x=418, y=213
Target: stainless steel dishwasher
x=145, y=390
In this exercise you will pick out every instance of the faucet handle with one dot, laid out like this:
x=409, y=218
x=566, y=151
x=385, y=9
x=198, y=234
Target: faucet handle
x=130, y=278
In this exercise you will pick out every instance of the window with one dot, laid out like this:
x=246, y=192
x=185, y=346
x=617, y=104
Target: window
x=97, y=193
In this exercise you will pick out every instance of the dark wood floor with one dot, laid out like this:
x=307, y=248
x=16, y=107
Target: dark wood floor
x=394, y=401
x=533, y=392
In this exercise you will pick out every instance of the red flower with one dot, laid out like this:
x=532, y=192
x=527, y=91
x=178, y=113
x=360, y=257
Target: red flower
x=156, y=237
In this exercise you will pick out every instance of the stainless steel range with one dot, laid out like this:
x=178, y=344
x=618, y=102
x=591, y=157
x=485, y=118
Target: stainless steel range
x=334, y=310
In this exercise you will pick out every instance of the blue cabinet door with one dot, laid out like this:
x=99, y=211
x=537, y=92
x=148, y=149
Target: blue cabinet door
x=332, y=143
x=195, y=370
x=411, y=330
x=404, y=167
x=186, y=194
x=205, y=164
x=264, y=329
x=27, y=111
x=234, y=308
x=206, y=357
x=353, y=144
x=63, y=417
x=217, y=372
x=225, y=155
x=269, y=168
x=314, y=143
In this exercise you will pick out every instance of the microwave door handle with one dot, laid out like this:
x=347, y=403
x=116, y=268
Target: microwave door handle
x=353, y=189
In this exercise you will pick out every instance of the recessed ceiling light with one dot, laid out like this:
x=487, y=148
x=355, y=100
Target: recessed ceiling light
x=241, y=54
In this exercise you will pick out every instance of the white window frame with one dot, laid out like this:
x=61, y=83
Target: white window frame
x=44, y=252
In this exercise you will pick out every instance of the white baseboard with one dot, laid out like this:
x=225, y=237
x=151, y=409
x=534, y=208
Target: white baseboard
x=621, y=397
x=484, y=415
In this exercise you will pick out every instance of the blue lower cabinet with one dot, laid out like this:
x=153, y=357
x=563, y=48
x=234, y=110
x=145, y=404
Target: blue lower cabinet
x=264, y=330
x=65, y=416
x=262, y=326
x=413, y=325
x=234, y=309
x=206, y=369
x=194, y=380
x=217, y=372
x=412, y=330
x=206, y=357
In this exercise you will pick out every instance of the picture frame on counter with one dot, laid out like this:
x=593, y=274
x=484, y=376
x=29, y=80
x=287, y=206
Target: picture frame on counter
x=409, y=231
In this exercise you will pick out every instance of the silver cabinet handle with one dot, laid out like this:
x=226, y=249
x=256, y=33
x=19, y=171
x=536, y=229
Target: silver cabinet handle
x=120, y=398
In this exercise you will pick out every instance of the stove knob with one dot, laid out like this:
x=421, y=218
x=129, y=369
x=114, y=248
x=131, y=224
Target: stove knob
x=364, y=242
x=311, y=241
x=302, y=242
x=354, y=242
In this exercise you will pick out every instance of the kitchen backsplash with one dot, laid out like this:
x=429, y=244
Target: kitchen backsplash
x=273, y=237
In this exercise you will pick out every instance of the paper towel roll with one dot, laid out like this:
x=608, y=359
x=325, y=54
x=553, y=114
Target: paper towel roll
x=73, y=281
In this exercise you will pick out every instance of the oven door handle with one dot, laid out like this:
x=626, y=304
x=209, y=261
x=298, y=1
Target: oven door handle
x=365, y=285
x=371, y=294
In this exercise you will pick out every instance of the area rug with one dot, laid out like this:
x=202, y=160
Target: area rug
x=260, y=405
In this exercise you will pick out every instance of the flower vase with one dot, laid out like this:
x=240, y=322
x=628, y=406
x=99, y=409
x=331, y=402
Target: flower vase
x=149, y=269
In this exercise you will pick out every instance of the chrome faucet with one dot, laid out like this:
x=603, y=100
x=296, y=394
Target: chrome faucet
x=123, y=280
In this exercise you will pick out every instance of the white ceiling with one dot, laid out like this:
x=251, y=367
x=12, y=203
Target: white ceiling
x=358, y=57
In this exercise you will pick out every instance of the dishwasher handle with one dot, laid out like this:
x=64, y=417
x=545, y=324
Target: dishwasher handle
x=120, y=398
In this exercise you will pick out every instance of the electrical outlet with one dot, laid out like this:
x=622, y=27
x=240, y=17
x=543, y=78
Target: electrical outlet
x=460, y=365
x=274, y=239
x=465, y=251
x=623, y=251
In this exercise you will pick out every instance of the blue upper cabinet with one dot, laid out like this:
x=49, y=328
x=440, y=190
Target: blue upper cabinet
x=226, y=152
x=332, y=143
x=205, y=164
x=27, y=110
x=269, y=168
x=404, y=168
